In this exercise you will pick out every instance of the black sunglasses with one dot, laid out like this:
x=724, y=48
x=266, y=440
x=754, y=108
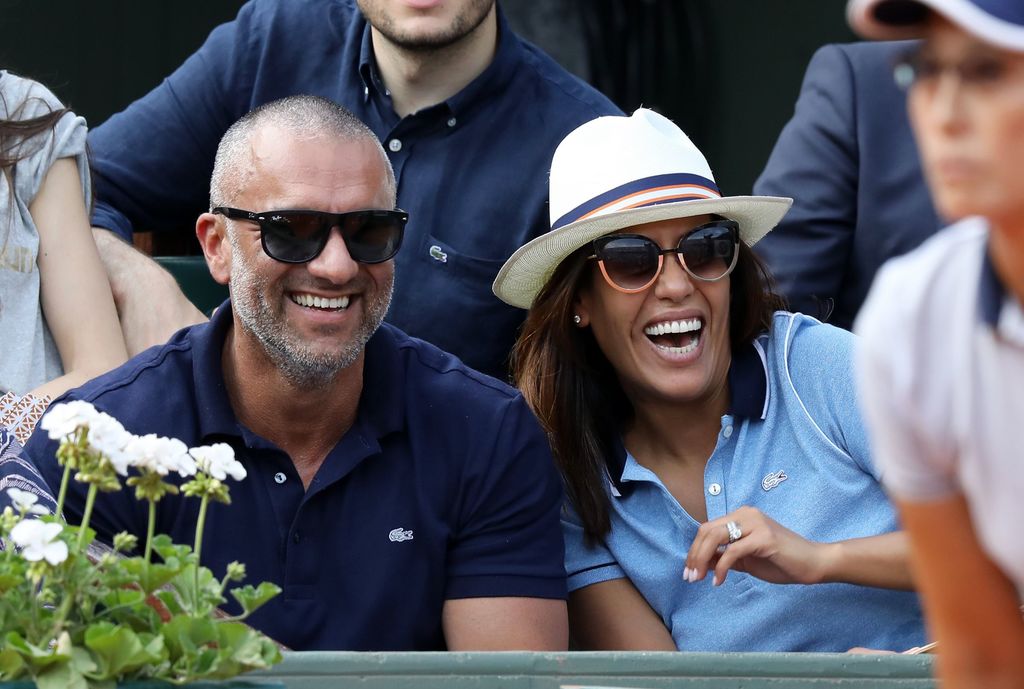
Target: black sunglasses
x=631, y=262
x=298, y=236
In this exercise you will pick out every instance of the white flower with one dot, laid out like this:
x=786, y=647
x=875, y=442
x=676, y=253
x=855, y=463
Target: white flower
x=67, y=417
x=25, y=502
x=38, y=540
x=218, y=460
x=160, y=455
x=108, y=436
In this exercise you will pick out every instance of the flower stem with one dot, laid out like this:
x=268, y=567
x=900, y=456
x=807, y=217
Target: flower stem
x=90, y=499
x=197, y=549
x=63, y=490
x=149, y=540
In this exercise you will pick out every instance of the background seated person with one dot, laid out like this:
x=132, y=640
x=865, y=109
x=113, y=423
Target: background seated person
x=17, y=473
x=710, y=445
x=400, y=499
x=56, y=309
x=848, y=159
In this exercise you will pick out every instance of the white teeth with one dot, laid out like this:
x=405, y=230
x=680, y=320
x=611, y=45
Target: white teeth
x=320, y=302
x=667, y=327
x=682, y=350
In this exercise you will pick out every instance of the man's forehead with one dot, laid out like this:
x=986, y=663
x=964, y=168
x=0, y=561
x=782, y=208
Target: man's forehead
x=274, y=146
x=296, y=163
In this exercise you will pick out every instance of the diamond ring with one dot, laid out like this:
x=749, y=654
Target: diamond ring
x=735, y=533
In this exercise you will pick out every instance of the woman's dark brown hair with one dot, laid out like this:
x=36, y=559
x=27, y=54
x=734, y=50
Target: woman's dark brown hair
x=575, y=392
x=16, y=133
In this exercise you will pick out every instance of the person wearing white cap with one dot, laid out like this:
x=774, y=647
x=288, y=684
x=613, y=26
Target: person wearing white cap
x=709, y=442
x=941, y=364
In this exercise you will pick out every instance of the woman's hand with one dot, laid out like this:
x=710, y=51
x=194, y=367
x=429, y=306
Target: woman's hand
x=764, y=549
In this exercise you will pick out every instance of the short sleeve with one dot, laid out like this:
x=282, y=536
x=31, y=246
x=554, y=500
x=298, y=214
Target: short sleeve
x=585, y=563
x=819, y=360
x=916, y=454
x=26, y=99
x=507, y=541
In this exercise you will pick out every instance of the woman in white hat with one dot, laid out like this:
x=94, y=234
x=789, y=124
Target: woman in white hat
x=710, y=444
x=942, y=356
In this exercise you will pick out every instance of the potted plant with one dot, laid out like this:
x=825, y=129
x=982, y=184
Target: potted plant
x=74, y=614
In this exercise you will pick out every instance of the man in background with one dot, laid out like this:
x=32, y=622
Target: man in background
x=468, y=113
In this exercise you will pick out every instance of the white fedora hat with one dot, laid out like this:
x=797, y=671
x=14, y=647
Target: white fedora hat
x=999, y=22
x=616, y=172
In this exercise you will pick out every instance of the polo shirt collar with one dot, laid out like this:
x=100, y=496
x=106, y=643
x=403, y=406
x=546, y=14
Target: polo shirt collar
x=382, y=403
x=495, y=79
x=991, y=292
x=748, y=399
x=381, y=409
x=213, y=408
x=367, y=65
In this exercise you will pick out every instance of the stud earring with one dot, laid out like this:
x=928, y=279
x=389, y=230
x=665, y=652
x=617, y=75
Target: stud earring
x=576, y=319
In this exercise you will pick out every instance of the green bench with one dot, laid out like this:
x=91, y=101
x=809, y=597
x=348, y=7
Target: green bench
x=195, y=281
x=341, y=670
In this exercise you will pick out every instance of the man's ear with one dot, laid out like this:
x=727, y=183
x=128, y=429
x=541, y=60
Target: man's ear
x=211, y=230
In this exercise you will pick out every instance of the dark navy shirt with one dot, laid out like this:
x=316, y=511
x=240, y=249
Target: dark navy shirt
x=472, y=171
x=443, y=488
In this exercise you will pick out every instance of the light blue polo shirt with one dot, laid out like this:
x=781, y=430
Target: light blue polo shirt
x=794, y=447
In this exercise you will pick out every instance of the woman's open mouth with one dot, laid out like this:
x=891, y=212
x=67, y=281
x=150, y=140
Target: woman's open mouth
x=676, y=337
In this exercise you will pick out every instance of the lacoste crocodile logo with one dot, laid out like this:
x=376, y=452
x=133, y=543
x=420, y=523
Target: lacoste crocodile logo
x=398, y=535
x=773, y=479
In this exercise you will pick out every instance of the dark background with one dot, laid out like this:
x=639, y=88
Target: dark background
x=728, y=71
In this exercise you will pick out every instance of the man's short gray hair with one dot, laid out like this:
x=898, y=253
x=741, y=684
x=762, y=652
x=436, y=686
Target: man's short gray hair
x=307, y=116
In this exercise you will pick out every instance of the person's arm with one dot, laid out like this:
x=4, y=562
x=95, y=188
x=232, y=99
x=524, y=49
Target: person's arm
x=770, y=551
x=149, y=301
x=152, y=165
x=971, y=606
x=505, y=624
x=75, y=295
x=505, y=566
x=613, y=616
x=815, y=162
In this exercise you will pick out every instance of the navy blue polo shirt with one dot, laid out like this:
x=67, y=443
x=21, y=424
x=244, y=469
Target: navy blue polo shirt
x=443, y=488
x=472, y=171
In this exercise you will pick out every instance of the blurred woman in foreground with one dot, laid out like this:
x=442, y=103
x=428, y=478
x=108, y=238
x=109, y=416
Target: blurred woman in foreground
x=942, y=360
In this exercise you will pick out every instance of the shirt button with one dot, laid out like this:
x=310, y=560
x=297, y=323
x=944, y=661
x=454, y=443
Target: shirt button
x=295, y=537
x=452, y=121
x=395, y=145
x=727, y=431
x=714, y=489
x=279, y=477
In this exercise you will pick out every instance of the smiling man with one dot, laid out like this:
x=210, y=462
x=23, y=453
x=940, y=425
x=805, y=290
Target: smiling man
x=401, y=500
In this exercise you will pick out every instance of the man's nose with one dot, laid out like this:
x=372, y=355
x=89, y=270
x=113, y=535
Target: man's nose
x=334, y=263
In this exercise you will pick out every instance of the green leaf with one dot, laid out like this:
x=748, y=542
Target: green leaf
x=117, y=650
x=185, y=635
x=31, y=654
x=9, y=581
x=60, y=676
x=252, y=599
x=11, y=664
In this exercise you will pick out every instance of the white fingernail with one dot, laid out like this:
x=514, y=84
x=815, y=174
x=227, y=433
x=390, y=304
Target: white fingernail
x=686, y=573
x=714, y=580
